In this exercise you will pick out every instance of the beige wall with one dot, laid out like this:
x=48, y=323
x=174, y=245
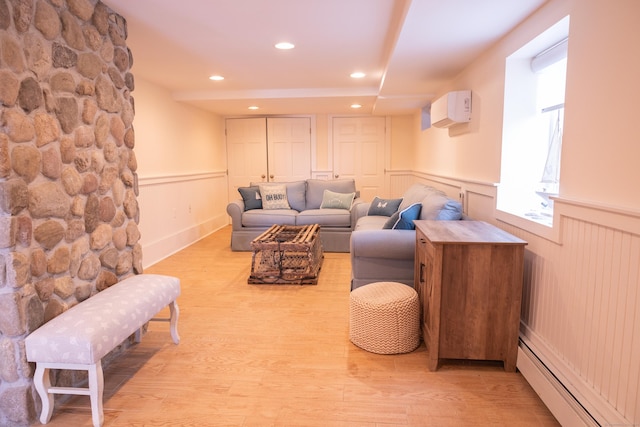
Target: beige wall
x=403, y=135
x=182, y=164
x=173, y=137
x=600, y=146
x=600, y=157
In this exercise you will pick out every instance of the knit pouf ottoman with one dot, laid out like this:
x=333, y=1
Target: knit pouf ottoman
x=384, y=318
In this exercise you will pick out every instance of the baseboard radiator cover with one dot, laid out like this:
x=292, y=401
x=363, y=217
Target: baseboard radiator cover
x=568, y=406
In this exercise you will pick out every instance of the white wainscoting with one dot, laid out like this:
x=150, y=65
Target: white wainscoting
x=580, y=323
x=581, y=307
x=178, y=210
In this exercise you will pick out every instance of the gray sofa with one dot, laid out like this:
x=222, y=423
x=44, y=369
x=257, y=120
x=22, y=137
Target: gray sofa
x=379, y=254
x=307, y=204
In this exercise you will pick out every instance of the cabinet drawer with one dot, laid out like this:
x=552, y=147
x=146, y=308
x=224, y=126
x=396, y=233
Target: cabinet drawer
x=425, y=246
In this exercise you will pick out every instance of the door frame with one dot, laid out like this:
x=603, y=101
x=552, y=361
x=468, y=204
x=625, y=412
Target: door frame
x=387, y=145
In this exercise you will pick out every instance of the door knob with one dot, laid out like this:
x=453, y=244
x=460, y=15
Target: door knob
x=336, y=175
x=271, y=176
x=264, y=176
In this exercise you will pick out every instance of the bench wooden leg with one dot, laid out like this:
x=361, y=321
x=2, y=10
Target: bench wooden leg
x=42, y=382
x=96, y=390
x=175, y=313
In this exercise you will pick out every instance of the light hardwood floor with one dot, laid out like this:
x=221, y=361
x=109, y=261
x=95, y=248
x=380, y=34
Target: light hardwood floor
x=280, y=355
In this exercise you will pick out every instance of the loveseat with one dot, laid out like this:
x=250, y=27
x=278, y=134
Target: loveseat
x=329, y=203
x=383, y=241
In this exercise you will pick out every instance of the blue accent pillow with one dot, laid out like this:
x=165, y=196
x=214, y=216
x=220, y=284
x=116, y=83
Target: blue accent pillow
x=383, y=207
x=451, y=211
x=404, y=219
x=251, y=197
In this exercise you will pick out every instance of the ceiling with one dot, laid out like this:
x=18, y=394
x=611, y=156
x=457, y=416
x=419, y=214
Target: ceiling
x=408, y=49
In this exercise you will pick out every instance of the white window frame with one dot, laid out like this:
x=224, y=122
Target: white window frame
x=519, y=112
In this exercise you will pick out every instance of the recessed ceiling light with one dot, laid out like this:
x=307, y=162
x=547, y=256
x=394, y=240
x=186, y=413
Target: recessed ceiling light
x=356, y=106
x=216, y=77
x=285, y=45
x=358, y=75
x=253, y=107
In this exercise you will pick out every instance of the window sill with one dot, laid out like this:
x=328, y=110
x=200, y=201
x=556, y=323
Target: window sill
x=540, y=224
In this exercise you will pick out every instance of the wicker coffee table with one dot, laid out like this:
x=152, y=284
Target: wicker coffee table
x=287, y=254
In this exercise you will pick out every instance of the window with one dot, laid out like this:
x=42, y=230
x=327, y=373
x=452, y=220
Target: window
x=533, y=121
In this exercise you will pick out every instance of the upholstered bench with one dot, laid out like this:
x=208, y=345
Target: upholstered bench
x=384, y=318
x=80, y=337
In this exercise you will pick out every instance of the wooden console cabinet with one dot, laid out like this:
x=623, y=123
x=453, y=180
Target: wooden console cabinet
x=468, y=275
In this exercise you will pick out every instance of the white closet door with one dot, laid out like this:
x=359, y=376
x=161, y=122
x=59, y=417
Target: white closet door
x=246, y=153
x=262, y=150
x=289, y=148
x=358, y=153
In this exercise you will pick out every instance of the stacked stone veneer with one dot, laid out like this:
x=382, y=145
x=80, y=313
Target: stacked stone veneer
x=68, y=184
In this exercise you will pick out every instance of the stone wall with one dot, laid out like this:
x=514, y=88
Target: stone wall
x=68, y=183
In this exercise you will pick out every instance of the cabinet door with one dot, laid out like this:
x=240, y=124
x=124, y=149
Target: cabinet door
x=420, y=282
x=433, y=289
x=429, y=302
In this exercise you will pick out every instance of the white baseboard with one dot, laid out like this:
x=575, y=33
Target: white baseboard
x=555, y=396
x=155, y=252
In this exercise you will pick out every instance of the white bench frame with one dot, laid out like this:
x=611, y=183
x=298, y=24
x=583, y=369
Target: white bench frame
x=95, y=389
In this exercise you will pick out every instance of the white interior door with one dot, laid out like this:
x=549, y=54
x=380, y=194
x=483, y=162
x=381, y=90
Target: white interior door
x=289, y=148
x=267, y=149
x=246, y=153
x=358, y=153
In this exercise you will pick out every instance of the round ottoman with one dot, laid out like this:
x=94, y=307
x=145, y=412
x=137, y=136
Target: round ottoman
x=384, y=318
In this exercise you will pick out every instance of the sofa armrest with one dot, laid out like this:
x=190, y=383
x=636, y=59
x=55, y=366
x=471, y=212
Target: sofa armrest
x=393, y=244
x=359, y=210
x=235, y=209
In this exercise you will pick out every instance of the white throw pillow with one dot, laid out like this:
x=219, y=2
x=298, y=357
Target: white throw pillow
x=333, y=200
x=274, y=196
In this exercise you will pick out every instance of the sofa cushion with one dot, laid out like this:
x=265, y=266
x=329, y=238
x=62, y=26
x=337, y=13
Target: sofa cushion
x=274, y=196
x=383, y=245
x=434, y=204
x=316, y=187
x=325, y=217
x=266, y=218
x=333, y=200
x=373, y=222
x=295, y=193
x=416, y=193
x=404, y=219
x=384, y=207
x=251, y=197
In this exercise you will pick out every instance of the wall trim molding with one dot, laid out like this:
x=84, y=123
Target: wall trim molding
x=613, y=217
x=450, y=180
x=173, y=178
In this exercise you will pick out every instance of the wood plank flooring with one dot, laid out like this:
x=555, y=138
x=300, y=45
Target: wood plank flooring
x=280, y=355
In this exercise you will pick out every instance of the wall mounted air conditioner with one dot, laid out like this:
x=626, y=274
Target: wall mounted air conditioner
x=452, y=108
